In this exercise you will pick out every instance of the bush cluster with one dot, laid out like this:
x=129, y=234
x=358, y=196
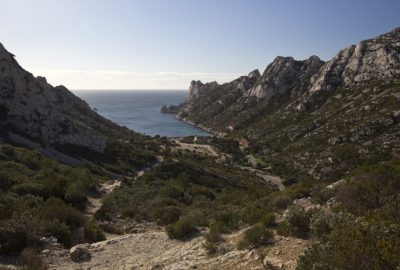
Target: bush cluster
x=40, y=197
x=181, y=230
x=296, y=223
x=365, y=231
x=255, y=237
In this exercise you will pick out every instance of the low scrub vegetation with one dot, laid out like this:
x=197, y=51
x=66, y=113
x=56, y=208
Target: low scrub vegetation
x=182, y=229
x=297, y=223
x=256, y=236
x=363, y=232
x=189, y=192
x=40, y=197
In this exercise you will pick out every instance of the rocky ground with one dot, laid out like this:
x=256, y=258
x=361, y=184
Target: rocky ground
x=147, y=246
x=153, y=250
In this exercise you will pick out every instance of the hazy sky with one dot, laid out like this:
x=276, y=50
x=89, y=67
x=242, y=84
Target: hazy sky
x=164, y=44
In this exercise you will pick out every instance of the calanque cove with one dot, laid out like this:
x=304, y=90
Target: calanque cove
x=302, y=172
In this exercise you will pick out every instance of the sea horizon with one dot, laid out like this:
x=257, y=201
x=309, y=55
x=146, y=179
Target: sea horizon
x=139, y=110
x=136, y=89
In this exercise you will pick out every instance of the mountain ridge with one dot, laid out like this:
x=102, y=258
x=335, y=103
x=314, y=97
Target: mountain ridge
x=295, y=102
x=39, y=111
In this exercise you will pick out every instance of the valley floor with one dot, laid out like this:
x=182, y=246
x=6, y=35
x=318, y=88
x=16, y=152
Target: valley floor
x=150, y=247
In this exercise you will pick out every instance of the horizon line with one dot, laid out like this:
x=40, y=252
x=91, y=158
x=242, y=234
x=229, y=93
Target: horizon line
x=128, y=89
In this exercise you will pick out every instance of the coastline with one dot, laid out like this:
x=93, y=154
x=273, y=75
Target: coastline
x=200, y=126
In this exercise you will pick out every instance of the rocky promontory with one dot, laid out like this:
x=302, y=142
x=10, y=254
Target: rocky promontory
x=170, y=109
x=350, y=99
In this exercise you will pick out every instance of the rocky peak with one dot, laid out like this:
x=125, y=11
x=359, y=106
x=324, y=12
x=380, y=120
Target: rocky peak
x=197, y=88
x=376, y=58
x=285, y=75
x=255, y=74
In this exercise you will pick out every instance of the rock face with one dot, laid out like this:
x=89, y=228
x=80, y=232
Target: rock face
x=170, y=109
x=350, y=101
x=32, y=108
x=376, y=58
x=197, y=88
x=285, y=75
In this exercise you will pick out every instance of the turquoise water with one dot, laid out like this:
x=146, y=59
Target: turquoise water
x=139, y=110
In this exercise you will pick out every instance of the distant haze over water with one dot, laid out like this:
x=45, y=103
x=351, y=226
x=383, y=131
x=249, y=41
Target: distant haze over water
x=139, y=110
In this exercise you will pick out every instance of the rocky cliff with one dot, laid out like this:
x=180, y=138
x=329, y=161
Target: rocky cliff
x=349, y=101
x=33, y=109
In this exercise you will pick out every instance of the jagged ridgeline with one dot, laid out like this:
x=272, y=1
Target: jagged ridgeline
x=321, y=118
x=56, y=122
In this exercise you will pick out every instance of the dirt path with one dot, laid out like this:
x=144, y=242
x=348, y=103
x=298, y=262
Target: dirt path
x=152, y=249
x=94, y=198
x=276, y=180
x=209, y=150
x=160, y=159
x=199, y=148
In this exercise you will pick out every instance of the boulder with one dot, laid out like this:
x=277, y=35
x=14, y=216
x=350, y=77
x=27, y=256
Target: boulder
x=49, y=240
x=78, y=233
x=80, y=253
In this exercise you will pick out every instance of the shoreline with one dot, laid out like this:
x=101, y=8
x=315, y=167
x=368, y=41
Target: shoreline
x=200, y=126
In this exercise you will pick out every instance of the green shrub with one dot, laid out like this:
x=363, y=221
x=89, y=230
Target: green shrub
x=31, y=260
x=268, y=219
x=356, y=245
x=181, y=230
x=320, y=194
x=13, y=236
x=253, y=214
x=297, y=223
x=228, y=218
x=8, y=150
x=213, y=237
x=321, y=224
x=166, y=215
x=55, y=208
x=32, y=188
x=173, y=192
x=202, y=191
x=281, y=202
x=255, y=237
x=128, y=213
x=211, y=247
x=104, y=213
x=60, y=231
x=370, y=187
x=31, y=159
x=75, y=194
x=93, y=232
x=5, y=181
x=199, y=217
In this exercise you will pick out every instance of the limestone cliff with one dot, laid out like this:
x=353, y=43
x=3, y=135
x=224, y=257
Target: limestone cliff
x=372, y=59
x=349, y=102
x=34, y=109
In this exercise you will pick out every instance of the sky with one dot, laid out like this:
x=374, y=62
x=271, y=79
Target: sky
x=164, y=44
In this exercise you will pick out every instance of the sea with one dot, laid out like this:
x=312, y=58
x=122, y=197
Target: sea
x=139, y=110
